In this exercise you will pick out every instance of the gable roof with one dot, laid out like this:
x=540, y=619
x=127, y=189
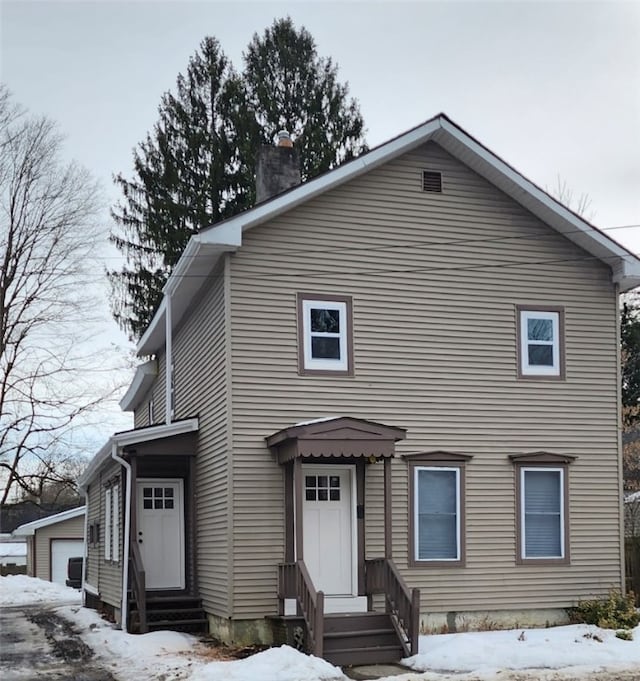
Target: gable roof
x=204, y=248
x=28, y=529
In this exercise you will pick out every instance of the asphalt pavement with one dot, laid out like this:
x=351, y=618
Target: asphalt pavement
x=36, y=644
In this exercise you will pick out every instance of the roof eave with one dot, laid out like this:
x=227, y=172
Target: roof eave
x=142, y=381
x=129, y=437
x=28, y=529
x=196, y=262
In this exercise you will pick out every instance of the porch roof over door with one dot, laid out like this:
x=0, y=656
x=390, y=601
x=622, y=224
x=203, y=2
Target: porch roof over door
x=340, y=437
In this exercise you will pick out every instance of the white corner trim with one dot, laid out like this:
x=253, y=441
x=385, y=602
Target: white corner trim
x=89, y=588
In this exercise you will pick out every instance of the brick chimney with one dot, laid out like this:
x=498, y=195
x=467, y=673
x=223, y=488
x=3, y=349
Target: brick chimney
x=278, y=168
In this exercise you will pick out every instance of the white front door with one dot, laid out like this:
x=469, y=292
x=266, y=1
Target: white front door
x=161, y=532
x=329, y=529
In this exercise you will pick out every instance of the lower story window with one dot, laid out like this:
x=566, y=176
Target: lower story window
x=112, y=523
x=542, y=521
x=437, y=514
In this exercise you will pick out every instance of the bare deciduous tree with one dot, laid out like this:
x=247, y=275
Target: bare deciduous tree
x=48, y=233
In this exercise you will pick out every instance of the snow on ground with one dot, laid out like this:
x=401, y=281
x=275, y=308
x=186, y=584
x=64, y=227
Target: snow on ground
x=571, y=652
x=23, y=590
x=576, y=649
x=175, y=656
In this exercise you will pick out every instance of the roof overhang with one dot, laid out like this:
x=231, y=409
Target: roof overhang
x=29, y=529
x=142, y=381
x=194, y=267
x=135, y=436
x=339, y=437
x=205, y=248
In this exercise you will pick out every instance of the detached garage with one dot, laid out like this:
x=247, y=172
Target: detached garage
x=51, y=542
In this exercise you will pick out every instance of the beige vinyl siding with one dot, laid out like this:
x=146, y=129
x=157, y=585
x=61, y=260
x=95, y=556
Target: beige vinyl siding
x=94, y=515
x=102, y=574
x=66, y=529
x=200, y=379
x=435, y=279
x=157, y=394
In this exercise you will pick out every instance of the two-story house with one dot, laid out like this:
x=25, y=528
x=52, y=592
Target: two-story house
x=384, y=399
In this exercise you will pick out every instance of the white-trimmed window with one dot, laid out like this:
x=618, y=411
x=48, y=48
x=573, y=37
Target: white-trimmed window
x=540, y=342
x=437, y=526
x=324, y=330
x=151, y=414
x=108, y=505
x=112, y=523
x=542, y=521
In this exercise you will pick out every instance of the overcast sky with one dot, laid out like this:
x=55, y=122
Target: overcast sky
x=551, y=87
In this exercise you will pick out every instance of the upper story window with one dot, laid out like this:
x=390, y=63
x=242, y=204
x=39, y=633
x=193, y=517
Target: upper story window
x=324, y=334
x=540, y=342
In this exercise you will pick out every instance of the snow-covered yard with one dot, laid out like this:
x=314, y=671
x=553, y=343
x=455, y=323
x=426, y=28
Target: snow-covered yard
x=572, y=652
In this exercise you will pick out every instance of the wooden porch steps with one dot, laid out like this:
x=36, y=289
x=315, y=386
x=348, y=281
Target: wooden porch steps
x=361, y=638
x=173, y=613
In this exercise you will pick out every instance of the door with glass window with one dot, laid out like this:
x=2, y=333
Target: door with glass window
x=160, y=532
x=329, y=541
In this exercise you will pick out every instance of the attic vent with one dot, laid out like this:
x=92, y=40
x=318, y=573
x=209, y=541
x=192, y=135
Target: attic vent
x=432, y=181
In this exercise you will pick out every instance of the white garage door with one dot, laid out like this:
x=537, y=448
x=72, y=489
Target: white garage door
x=61, y=551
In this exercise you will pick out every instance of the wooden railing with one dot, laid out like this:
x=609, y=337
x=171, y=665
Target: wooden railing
x=294, y=582
x=138, y=585
x=382, y=576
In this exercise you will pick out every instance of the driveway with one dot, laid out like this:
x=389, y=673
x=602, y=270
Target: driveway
x=36, y=644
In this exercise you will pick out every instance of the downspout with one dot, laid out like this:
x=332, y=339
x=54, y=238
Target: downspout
x=127, y=525
x=168, y=335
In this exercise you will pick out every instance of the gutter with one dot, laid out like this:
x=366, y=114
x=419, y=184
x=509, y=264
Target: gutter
x=127, y=529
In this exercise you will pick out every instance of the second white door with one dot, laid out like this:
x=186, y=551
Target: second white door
x=161, y=532
x=329, y=541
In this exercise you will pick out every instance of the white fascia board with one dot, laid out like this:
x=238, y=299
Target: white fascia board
x=135, y=436
x=148, y=434
x=186, y=259
x=153, y=337
x=100, y=457
x=627, y=274
x=28, y=529
x=142, y=381
x=525, y=192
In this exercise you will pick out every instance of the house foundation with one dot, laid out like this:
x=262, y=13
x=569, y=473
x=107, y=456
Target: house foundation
x=487, y=620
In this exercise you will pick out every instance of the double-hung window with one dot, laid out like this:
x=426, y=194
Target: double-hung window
x=437, y=514
x=324, y=334
x=542, y=513
x=112, y=523
x=540, y=342
x=542, y=507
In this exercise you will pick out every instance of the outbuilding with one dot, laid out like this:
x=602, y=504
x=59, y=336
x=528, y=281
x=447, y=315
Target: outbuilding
x=51, y=541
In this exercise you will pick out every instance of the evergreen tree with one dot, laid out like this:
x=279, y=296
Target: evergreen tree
x=197, y=166
x=289, y=87
x=630, y=350
x=186, y=177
